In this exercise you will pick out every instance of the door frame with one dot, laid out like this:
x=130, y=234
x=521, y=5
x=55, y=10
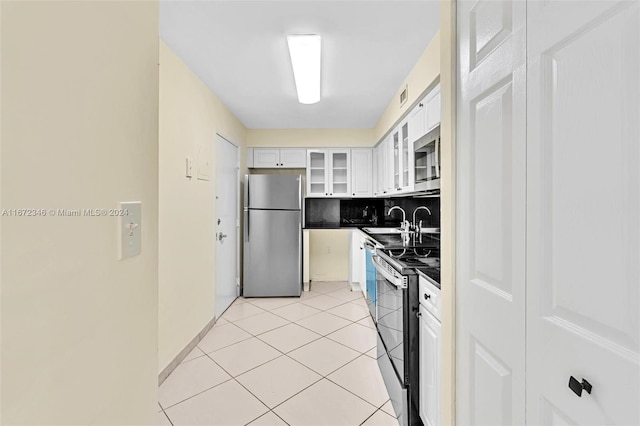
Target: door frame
x=448, y=213
x=238, y=208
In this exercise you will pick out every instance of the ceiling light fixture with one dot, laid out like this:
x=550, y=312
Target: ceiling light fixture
x=305, y=59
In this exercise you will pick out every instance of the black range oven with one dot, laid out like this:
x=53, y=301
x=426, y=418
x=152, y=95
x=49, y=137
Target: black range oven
x=397, y=323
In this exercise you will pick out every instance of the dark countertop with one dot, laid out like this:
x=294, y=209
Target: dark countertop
x=407, y=241
x=337, y=225
x=431, y=274
x=324, y=225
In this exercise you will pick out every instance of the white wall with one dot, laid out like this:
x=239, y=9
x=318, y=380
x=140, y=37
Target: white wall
x=79, y=130
x=190, y=114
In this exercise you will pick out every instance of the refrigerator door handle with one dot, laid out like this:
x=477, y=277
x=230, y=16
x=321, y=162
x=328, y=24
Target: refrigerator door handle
x=300, y=192
x=246, y=191
x=246, y=225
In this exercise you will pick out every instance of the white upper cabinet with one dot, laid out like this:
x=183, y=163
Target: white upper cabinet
x=317, y=173
x=417, y=121
x=292, y=158
x=329, y=173
x=402, y=159
x=432, y=102
x=396, y=165
x=374, y=168
x=425, y=115
x=361, y=172
x=407, y=154
x=387, y=165
x=339, y=173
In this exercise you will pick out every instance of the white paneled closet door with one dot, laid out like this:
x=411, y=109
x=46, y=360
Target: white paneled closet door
x=491, y=161
x=583, y=211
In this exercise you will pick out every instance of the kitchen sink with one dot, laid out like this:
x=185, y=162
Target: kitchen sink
x=377, y=231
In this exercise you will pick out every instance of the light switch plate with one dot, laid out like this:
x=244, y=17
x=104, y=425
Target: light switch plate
x=129, y=229
x=189, y=167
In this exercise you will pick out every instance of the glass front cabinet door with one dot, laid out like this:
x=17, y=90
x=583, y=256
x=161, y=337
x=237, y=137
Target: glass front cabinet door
x=317, y=173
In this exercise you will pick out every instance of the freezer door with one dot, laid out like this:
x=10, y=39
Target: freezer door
x=273, y=192
x=272, y=253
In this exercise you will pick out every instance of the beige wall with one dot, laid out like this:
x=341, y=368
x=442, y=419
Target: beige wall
x=423, y=76
x=329, y=254
x=190, y=114
x=79, y=130
x=310, y=138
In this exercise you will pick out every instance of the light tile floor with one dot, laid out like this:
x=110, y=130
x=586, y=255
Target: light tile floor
x=283, y=361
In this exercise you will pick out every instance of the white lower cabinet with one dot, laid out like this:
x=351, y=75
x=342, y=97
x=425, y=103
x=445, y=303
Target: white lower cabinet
x=357, y=261
x=429, y=368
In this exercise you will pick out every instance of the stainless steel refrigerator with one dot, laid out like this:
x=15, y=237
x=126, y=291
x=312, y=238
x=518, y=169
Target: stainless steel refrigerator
x=272, y=236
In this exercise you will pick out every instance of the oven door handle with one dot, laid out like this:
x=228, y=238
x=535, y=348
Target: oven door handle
x=399, y=281
x=370, y=246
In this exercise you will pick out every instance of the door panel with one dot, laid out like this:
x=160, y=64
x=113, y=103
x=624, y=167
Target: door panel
x=583, y=209
x=491, y=212
x=491, y=388
x=227, y=203
x=273, y=253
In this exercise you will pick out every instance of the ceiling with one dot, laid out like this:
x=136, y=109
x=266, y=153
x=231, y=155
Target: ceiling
x=239, y=49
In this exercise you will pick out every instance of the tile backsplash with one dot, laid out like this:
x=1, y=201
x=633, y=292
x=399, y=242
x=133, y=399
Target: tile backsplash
x=335, y=212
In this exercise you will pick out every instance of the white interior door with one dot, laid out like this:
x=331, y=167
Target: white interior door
x=583, y=257
x=227, y=224
x=491, y=148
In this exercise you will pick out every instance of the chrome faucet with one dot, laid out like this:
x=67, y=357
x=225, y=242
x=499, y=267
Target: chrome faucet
x=418, y=226
x=405, y=224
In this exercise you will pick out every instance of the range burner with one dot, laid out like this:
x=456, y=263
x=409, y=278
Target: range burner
x=415, y=255
x=431, y=262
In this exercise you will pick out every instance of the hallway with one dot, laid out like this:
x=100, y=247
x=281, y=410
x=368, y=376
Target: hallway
x=279, y=361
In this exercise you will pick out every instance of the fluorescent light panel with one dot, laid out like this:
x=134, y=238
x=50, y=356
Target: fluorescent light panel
x=305, y=59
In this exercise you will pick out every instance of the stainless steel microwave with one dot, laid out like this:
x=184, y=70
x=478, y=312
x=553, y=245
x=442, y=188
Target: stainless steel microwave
x=427, y=161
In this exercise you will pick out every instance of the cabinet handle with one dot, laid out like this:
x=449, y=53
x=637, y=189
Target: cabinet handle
x=577, y=386
x=427, y=296
x=354, y=193
x=326, y=193
x=420, y=105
